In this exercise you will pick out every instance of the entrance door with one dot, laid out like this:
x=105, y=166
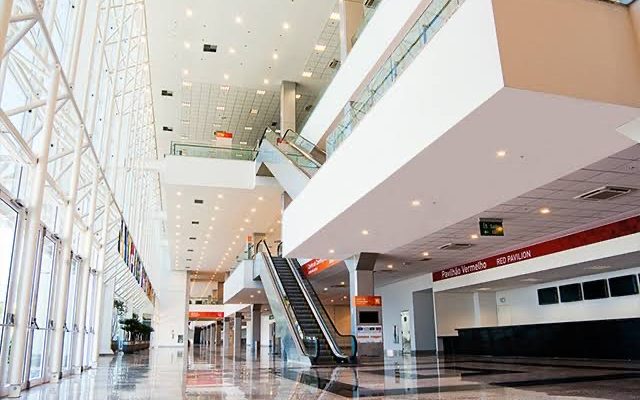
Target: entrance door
x=405, y=329
x=36, y=356
x=70, y=329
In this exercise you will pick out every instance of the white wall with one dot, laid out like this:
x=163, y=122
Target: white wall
x=398, y=297
x=241, y=278
x=181, y=170
x=264, y=329
x=460, y=310
x=171, y=309
x=523, y=305
x=202, y=288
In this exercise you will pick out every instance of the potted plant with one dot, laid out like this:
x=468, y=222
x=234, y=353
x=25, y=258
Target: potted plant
x=137, y=334
x=120, y=309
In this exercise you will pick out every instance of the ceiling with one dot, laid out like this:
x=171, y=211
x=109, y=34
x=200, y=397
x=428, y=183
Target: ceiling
x=226, y=217
x=259, y=44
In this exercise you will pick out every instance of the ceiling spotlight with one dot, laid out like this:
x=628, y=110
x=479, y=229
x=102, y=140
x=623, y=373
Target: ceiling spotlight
x=335, y=16
x=188, y=12
x=253, y=111
x=260, y=92
x=331, y=251
x=178, y=206
x=226, y=76
x=425, y=254
x=233, y=242
x=474, y=236
x=275, y=56
x=415, y=203
x=326, y=289
x=307, y=74
x=238, y=20
x=177, y=226
x=545, y=210
x=185, y=72
x=248, y=128
x=241, y=229
x=364, y=232
x=298, y=96
x=187, y=45
x=285, y=25
x=220, y=196
x=260, y=198
x=179, y=193
x=213, y=218
x=206, y=242
x=320, y=47
x=247, y=220
x=232, y=50
x=216, y=208
x=266, y=81
x=224, y=88
x=501, y=153
x=251, y=296
x=342, y=283
x=259, y=291
x=237, y=236
x=186, y=84
x=390, y=266
x=220, y=108
x=210, y=228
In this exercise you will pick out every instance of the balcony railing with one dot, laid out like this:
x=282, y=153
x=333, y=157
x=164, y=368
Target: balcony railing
x=209, y=151
x=421, y=33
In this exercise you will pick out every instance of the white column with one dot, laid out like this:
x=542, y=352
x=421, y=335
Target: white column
x=102, y=296
x=5, y=16
x=360, y=284
x=287, y=106
x=83, y=287
x=351, y=17
x=106, y=315
x=25, y=279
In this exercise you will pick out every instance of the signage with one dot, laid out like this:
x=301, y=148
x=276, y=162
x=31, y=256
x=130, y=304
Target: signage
x=613, y=230
x=491, y=227
x=316, y=266
x=205, y=315
x=367, y=301
x=223, y=135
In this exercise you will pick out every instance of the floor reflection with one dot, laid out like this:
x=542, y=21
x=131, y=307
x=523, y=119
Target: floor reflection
x=215, y=374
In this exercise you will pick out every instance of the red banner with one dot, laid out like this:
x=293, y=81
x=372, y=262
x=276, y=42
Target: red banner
x=224, y=135
x=367, y=301
x=205, y=315
x=614, y=230
x=316, y=265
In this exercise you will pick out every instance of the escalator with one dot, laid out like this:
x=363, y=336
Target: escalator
x=307, y=332
x=291, y=158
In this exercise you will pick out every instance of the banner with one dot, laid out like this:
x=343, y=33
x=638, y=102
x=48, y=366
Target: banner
x=316, y=266
x=133, y=261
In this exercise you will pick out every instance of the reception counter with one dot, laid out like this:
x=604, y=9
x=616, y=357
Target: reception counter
x=601, y=339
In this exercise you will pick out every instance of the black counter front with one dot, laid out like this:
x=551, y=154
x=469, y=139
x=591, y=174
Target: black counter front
x=604, y=339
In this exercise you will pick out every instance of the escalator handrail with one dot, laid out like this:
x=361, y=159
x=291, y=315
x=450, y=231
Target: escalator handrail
x=335, y=329
x=294, y=146
x=282, y=295
x=305, y=139
x=335, y=349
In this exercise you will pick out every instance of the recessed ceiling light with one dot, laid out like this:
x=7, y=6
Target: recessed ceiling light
x=474, y=236
x=248, y=128
x=259, y=291
x=187, y=45
x=233, y=242
x=251, y=296
x=226, y=76
x=298, y=96
x=331, y=251
x=177, y=226
x=237, y=236
x=178, y=206
x=275, y=56
x=241, y=229
x=207, y=235
x=185, y=72
x=285, y=25
x=238, y=20
x=307, y=74
x=206, y=242
x=210, y=228
x=545, y=210
x=185, y=104
x=271, y=230
x=224, y=88
x=260, y=198
x=364, y=232
x=188, y=12
x=232, y=50
x=243, y=143
x=179, y=193
x=320, y=47
x=342, y=283
x=220, y=196
x=266, y=81
x=425, y=254
x=247, y=220
x=253, y=210
x=415, y=203
x=326, y=289
x=213, y=218
x=220, y=108
x=334, y=16
x=186, y=84
x=177, y=233
x=253, y=111
x=390, y=266
x=216, y=208
x=501, y=153
x=260, y=92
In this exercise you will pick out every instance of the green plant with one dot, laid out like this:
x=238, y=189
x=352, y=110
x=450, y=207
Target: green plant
x=135, y=329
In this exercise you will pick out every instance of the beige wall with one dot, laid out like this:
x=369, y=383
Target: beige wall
x=341, y=318
x=579, y=48
x=634, y=11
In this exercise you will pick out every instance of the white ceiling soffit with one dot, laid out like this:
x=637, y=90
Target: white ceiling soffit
x=258, y=45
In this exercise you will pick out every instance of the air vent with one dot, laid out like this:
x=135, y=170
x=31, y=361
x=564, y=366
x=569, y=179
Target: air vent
x=168, y=93
x=188, y=259
x=192, y=238
x=425, y=259
x=198, y=201
x=605, y=193
x=195, y=222
x=308, y=108
x=167, y=129
x=274, y=124
x=455, y=246
x=190, y=250
x=334, y=64
x=209, y=48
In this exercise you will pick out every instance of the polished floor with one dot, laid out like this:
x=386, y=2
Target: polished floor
x=211, y=374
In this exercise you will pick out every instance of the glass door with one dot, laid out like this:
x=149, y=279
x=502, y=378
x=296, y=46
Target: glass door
x=10, y=223
x=89, y=329
x=40, y=307
x=70, y=328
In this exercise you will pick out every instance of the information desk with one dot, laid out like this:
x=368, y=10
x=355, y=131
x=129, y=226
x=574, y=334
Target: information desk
x=603, y=339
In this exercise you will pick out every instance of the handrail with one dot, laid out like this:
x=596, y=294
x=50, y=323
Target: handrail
x=282, y=295
x=335, y=349
x=305, y=139
x=303, y=153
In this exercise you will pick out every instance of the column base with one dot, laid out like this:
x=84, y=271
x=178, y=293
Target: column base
x=14, y=391
x=55, y=377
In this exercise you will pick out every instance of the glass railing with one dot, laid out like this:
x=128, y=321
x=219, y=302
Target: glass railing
x=299, y=157
x=208, y=151
x=421, y=33
x=303, y=145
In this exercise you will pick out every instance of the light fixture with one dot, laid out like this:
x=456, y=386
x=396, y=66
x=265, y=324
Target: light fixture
x=243, y=143
x=224, y=88
x=248, y=128
x=266, y=81
x=253, y=111
x=238, y=20
x=226, y=76
x=307, y=74
x=335, y=16
x=177, y=226
x=474, y=236
x=247, y=220
x=206, y=242
x=275, y=56
x=342, y=283
x=331, y=251
x=220, y=196
x=233, y=242
x=185, y=72
x=210, y=228
x=332, y=300
x=216, y=208
x=545, y=210
x=260, y=92
x=177, y=233
x=260, y=198
x=178, y=206
x=364, y=232
x=253, y=210
x=186, y=84
x=179, y=193
x=285, y=25
x=251, y=296
x=185, y=104
x=326, y=289
x=501, y=153
x=390, y=266
x=241, y=229
x=237, y=236
x=259, y=291
x=220, y=108
x=298, y=96
x=425, y=254
x=232, y=50
x=415, y=203
x=187, y=45
x=320, y=47
x=213, y=218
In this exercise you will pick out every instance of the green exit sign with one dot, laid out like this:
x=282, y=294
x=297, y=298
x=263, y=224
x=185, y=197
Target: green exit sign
x=491, y=227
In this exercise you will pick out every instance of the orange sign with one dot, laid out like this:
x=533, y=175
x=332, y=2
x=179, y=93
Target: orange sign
x=315, y=266
x=368, y=301
x=223, y=135
x=205, y=315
